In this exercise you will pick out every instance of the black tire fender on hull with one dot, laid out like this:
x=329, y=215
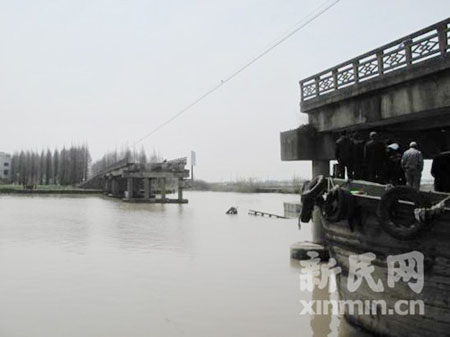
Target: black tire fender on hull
x=401, y=228
x=339, y=205
x=311, y=190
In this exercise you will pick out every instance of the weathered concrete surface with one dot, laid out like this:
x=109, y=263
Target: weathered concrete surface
x=410, y=98
x=298, y=145
x=305, y=143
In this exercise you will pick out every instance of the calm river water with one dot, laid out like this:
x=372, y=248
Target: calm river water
x=92, y=266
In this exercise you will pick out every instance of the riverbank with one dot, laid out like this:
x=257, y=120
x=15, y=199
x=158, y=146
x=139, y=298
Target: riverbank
x=46, y=189
x=249, y=186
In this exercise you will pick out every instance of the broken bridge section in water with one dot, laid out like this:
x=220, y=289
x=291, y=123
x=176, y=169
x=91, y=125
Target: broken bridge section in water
x=149, y=183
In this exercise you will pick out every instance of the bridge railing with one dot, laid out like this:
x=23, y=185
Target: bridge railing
x=427, y=43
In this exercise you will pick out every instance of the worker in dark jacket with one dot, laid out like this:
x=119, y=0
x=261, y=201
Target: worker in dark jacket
x=440, y=170
x=358, y=157
x=375, y=157
x=343, y=153
x=394, y=170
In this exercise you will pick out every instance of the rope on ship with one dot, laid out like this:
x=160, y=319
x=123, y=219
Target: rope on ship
x=429, y=214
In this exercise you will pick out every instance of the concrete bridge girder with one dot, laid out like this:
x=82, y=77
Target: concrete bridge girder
x=422, y=99
x=399, y=104
x=298, y=145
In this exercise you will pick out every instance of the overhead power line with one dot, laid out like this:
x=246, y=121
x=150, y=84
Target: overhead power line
x=285, y=36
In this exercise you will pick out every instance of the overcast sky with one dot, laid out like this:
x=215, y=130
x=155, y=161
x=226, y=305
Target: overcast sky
x=107, y=72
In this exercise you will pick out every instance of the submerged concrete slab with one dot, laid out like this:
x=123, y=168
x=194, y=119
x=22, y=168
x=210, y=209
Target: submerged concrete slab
x=155, y=201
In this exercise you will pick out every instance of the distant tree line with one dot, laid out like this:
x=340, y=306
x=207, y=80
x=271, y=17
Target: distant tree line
x=68, y=166
x=115, y=156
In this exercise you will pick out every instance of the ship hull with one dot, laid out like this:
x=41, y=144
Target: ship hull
x=344, y=239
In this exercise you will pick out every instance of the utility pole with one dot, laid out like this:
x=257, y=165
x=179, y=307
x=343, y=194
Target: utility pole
x=193, y=162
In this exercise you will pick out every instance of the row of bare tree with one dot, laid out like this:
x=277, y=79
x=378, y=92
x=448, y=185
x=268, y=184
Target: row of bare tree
x=68, y=166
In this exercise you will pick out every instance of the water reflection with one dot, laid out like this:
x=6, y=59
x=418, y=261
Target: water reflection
x=326, y=323
x=321, y=324
x=145, y=227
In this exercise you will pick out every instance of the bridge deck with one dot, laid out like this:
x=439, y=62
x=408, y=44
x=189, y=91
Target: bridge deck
x=425, y=44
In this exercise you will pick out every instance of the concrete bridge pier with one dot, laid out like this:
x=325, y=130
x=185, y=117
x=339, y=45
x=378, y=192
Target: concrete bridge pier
x=180, y=189
x=163, y=188
x=107, y=187
x=130, y=185
x=114, y=187
x=147, y=188
x=319, y=167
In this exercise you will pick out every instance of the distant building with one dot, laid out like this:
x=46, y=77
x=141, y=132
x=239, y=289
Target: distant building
x=5, y=165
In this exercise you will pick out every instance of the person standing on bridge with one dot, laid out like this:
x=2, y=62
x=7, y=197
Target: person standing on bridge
x=358, y=156
x=412, y=164
x=375, y=158
x=343, y=153
x=440, y=170
x=394, y=171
